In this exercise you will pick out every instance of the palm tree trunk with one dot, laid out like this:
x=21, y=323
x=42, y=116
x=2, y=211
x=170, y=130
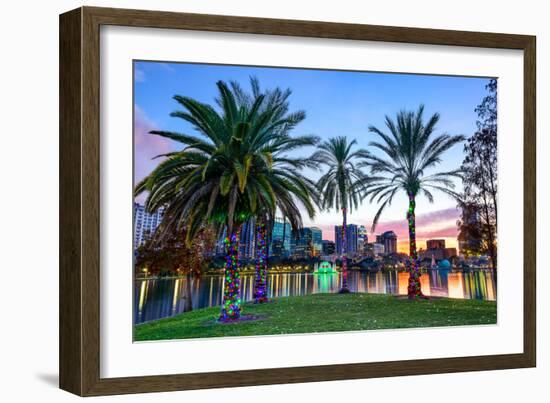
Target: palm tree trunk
x=345, y=288
x=414, y=290
x=260, y=292
x=231, y=308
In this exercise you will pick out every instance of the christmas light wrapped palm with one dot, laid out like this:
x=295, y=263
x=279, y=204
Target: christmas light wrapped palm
x=260, y=278
x=231, y=169
x=410, y=154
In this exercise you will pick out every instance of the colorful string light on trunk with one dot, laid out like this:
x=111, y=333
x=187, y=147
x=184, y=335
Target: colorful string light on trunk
x=231, y=309
x=345, y=288
x=260, y=292
x=414, y=289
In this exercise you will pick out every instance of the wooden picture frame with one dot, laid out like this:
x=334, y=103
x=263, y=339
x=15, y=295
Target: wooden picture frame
x=80, y=185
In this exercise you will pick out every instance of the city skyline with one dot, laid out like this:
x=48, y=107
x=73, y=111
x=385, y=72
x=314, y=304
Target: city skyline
x=146, y=223
x=156, y=83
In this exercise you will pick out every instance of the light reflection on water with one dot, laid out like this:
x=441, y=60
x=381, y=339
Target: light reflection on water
x=155, y=299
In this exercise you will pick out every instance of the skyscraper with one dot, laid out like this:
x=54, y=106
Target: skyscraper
x=317, y=240
x=351, y=239
x=389, y=240
x=470, y=235
x=435, y=244
x=306, y=243
x=280, y=238
x=247, y=245
x=362, y=239
x=145, y=224
x=329, y=247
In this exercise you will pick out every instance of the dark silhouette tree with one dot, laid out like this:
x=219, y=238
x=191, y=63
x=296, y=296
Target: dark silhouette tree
x=480, y=168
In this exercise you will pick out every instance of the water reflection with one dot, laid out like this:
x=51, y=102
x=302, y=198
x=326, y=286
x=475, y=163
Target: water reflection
x=155, y=299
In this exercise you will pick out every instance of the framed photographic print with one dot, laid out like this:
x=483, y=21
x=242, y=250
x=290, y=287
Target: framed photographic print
x=249, y=201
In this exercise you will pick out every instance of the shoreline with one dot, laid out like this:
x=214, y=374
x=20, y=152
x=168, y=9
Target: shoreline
x=351, y=269
x=308, y=314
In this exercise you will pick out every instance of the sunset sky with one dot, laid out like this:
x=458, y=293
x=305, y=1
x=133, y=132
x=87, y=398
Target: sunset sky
x=337, y=103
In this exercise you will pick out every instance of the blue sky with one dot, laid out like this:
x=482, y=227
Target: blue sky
x=337, y=103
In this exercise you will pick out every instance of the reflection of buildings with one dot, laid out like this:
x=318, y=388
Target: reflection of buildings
x=456, y=285
x=351, y=239
x=438, y=282
x=376, y=283
x=389, y=240
x=479, y=285
x=145, y=224
x=402, y=282
x=425, y=284
x=329, y=247
x=306, y=243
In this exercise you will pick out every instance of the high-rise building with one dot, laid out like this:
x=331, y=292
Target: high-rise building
x=469, y=237
x=329, y=247
x=247, y=242
x=145, y=224
x=435, y=244
x=317, y=239
x=362, y=239
x=389, y=240
x=450, y=253
x=351, y=239
x=280, y=238
x=378, y=249
x=306, y=243
x=435, y=248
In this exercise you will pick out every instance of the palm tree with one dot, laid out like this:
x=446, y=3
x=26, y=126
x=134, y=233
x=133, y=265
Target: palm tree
x=341, y=186
x=410, y=151
x=228, y=173
x=283, y=170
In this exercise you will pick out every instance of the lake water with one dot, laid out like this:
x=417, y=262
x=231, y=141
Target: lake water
x=160, y=298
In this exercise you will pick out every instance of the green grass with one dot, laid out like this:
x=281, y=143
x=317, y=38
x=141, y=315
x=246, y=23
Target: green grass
x=323, y=313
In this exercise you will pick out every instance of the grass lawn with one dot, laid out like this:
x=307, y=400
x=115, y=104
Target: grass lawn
x=322, y=313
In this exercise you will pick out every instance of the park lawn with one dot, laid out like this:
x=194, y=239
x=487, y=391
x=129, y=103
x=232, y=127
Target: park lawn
x=322, y=313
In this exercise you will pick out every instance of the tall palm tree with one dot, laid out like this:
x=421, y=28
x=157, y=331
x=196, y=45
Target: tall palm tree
x=342, y=185
x=227, y=174
x=284, y=170
x=410, y=151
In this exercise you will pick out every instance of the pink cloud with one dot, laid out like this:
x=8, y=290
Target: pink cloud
x=436, y=224
x=146, y=146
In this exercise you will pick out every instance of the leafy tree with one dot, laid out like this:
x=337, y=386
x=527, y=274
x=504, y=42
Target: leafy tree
x=480, y=168
x=232, y=171
x=410, y=151
x=173, y=255
x=341, y=185
x=284, y=172
x=470, y=236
